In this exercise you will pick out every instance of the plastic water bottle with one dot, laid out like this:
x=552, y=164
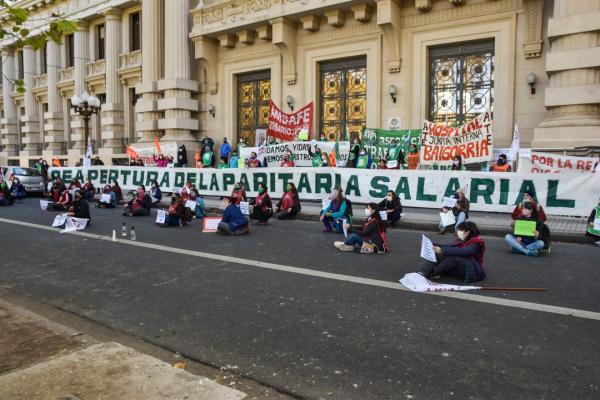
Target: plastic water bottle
x=132, y=233
x=124, y=230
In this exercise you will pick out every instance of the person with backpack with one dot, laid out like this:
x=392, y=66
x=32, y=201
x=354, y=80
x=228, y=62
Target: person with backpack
x=392, y=206
x=337, y=211
x=463, y=258
x=372, y=238
x=532, y=244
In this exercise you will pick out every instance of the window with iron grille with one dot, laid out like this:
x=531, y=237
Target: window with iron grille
x=461, y=81
x=253, y=95
x=343, y=98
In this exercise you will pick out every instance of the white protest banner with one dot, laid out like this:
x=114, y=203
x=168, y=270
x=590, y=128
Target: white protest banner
x=73, y=224
x=447, y=218
x=560, y=194
x=473, y=141
x=553, y=163
x=105, y=198
x=146, y=151
x=245, y=207
x=274, y=154
x=59, y=220
x=449, y=202
x=427, y=251
x=191, y=204
x=44, y=205
x=418, y=283
x=161, y=215
x=286, y=126
x=210, y=224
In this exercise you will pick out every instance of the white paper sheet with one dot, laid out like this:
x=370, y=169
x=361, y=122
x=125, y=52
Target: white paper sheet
x=105, y=198
x=525, y=153
x=245, y=207
x=447, y=218
x=74, y=224
x=392, y=164
x=418, y=283
x=44, y=205
x=383, y=215
x=160, y=216
x=191, y=204
x=449, y=202
x=344, y=222
x=427, y=251
x=210, y=224
x=59, y=220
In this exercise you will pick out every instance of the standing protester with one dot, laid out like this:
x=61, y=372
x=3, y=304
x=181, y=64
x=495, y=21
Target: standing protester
x=530, y=245
x=288, y=160
x=263, y=207
x=253, y=161
x=462, y=259
x=460, y=211
x=364, y=160
x=225, y=150
x=501, y=165
x=372, y=238
x=222, y=163
x=139, y=162
x=182, y=160
x=413, y=157
x=289, y=205
x=98, y=161
x=208, y=158
x=160, y=161
x=529, y=197
x=354, y=151
x=233, y=162
x=395, y=156
x=317, y=160
x=457, y=164
x=239, y=193
x=392, y=206
x=80, y=207
x=333, y=215
x=139, y=206
x=592, y=230
x=233, y=221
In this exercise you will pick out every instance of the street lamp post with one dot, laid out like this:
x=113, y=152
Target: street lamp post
x=85, y=105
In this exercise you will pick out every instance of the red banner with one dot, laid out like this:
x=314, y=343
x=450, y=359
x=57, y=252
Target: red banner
x=286, y=126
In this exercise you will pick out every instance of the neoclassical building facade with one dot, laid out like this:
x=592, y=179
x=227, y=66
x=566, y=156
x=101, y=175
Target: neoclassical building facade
x=182, y=70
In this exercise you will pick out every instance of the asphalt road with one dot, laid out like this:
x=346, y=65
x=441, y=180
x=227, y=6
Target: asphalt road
x=313, y=336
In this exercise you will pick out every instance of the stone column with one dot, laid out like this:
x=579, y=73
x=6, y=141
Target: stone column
x=30, y=128
x=81, y=47
x=572, y=97
x=112, y=110
x=10, y=135
x=53, y=119
x=152, y=69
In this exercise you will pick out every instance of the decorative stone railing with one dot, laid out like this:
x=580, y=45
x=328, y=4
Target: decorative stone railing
x=66, y=74
x=40, y=80
x=96, y=68
x=130, y=60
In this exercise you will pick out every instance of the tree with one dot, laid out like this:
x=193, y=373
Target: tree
x=17, y=29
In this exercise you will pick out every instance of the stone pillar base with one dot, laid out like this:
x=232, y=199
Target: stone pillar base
x=147, y=113
x=564, y=137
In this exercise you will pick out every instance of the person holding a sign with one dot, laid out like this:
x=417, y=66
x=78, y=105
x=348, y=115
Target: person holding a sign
x=108, y=198
x=233, y=221
x=364, y=160
x=395, y=156
x=529, y=197
x=392, y=206
x=289, y=205
x=593, y=228
x=80, y=207
x=372, y=238
x=263, y=207
x=239, y=193
x=460, y=210
x=412, y=159
x=139, y=206
x=175, y=214
x=333, y=215
x=531, y=235
x=6, y=198
x=463, y=258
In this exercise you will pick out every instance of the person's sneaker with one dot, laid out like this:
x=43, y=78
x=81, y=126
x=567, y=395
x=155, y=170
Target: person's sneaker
x=337, y=244
x=345, y=247
x=532, y=253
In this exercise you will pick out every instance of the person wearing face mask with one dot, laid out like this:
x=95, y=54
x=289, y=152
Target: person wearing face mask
x=317, y=160
x=112, y=203
x=233, y=162
x=354, y=152
x=175, y=214
x=17, y=190
x=289, y=205
x=413, y=157
x=288, y=160
x=325, y=162
x=239, y=193
x=529, y=197
x=463, y=258
x=395, y=156
x=117, y=189
x=80, y=207
x=208, y=158
x=200, y=206
x=392, y=206
x=182, y=160
x=538, y=241
x=322, y=137
x=372, y=238
x=186, y=190
x=364, y=160
x=501, y=165
x=337, y=211
x=155, y=193
x=225, y=150
x=233, y=221
x=222, y=164
x=160, y=161
x=140, y=205
x=457, y=164
x=263, y=207
x=253, y=161
x=593, y=227
x=460, y=211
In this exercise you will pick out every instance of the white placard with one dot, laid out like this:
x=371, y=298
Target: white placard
x=597, y=224
x=325, y=203
x=105, y=198
x=427, y=249
x=44, y=205
x=447, y=218
x=245, y=207
x=59, y=220
x=383, y=215
x=74, y=224
x=449, y=202
x=160, y=216
x=191, y=204
x=210, y=224
x=392, y=164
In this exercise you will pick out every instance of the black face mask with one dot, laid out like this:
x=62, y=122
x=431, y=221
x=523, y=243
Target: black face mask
x=501, y=161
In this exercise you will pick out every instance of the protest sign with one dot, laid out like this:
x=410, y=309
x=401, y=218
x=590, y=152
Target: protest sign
x=383, y=215
x=559, y=194
x=73, y=224
x=449, y=202
x=245, y=207
x=105, y=198
x=59, y=220
x=273, y=154
x=260, y=137
x=427, y=251
x=447, y=218
x=210, y=224
x=286, y=126
x=161, y=216
x=146, y=151
x=525, y=228
x=44, y=205
x=473, y=141
x=541, y=162
x=377, y=141
x=418, y=283
x=191, y=204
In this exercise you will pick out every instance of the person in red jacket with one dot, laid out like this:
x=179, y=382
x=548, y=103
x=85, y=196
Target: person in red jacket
x=263, y=207
x=289, y=205
x=62, y=200
x=288, y=160
x=529, y=197
x=238, y=194
x=462, y=259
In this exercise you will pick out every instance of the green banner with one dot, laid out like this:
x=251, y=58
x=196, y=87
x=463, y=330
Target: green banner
x=377, y=141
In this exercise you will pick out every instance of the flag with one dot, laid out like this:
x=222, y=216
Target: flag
x=418, y=283
x=197, y=155
x=157, y=145
x=131, y=152
x=87, y=160
x=516, y=142
x=336, y=153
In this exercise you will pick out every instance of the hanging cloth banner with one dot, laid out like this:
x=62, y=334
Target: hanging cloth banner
x=473, y=141
x=287, y=126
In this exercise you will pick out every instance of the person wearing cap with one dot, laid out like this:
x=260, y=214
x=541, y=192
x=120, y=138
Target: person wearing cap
x=592, y=229
x=530, y=245
x=460, y=210
x=529, y=197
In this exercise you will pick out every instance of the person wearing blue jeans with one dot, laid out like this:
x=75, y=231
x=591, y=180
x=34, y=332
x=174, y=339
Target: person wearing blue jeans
x=530, y=245
x=334, y=214
x=520, y=246
x=460, y=211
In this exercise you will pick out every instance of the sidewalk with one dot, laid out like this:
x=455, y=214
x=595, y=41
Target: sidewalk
x=563, y=229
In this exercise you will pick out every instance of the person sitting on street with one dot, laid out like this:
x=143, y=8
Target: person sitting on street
x=593, y=228
x=239, y=193
x=88, y=190
x=333, y=215
x=372, y=238
x=263, y=207
x=6, y=198
x=80, y=207
x=463, y=258
x=62, y=200
x=17, y=190
x=155, y=193
x=529, y=197
x=139, y=206
x=289, y=205
x=233, y=221
x=393, y=206
x=117, y=189
x=530, y=245
x=74, y=185
x=60, y=183
x=113, y=198
x=200, y=206
x=175, y=214
x=460, y=211
x=186, y=190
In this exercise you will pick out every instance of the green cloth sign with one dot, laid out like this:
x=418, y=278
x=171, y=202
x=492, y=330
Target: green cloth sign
x=377, y=141
x=525, y=228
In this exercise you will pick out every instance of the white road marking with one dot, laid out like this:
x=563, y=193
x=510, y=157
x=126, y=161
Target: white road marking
x=573, y=312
